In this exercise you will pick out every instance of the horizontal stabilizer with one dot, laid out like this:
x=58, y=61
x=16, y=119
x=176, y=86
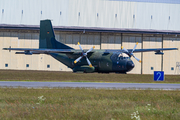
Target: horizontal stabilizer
x=27, y=53
x=39, y=51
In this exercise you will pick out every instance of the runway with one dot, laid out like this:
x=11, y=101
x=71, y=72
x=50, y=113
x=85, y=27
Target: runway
x=90, y=85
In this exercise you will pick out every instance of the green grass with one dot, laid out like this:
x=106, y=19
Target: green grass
x=82, y=104
x=10, y=75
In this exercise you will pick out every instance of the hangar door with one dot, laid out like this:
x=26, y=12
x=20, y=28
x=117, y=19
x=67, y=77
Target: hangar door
x=87, y=40
x=110, y=41
x=171, y=59
x=151, y=62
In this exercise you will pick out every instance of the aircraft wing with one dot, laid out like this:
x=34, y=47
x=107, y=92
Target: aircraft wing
x=71, y=51
x=150, y=50
x=157, y=50
x=130, y=51
x=39, y=51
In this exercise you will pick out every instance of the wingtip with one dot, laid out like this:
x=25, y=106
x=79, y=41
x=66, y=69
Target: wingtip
x=5, y=48
x=93, y=47
x=136, y=43
x=90, y=65
x=75, y=61
x=140, y=61
x=122, y=47
x=78, y=43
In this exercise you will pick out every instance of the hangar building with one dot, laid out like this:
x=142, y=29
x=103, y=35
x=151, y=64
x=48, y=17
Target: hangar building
x=107, y=24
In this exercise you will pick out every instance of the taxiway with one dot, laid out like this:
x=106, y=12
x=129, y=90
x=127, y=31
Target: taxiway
x=90, y=85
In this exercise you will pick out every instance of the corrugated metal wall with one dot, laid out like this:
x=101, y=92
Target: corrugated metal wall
x=92, y=13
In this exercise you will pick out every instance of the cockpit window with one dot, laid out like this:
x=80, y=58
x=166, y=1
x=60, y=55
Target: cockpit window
x=123, y=56
x=118, y=57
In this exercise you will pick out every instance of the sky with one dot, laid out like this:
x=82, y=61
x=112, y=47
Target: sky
x=153, y=1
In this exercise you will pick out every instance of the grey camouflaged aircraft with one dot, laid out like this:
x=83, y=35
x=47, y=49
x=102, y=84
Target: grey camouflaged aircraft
x=87, y=61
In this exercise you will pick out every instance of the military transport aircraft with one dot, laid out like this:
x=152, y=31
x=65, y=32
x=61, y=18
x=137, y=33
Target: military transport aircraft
x=87, y=61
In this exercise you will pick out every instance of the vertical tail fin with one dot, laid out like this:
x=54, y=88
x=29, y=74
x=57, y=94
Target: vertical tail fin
x=47, y=38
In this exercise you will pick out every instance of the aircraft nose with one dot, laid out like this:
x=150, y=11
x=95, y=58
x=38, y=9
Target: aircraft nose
x=130, y=65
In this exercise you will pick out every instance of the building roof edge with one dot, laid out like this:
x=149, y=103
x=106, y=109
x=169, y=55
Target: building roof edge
x=91, y=29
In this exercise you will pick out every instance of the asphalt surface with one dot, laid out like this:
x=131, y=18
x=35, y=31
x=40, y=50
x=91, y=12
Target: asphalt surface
x=90, y=85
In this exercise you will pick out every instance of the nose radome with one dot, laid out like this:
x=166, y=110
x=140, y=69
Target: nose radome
x=130, y=65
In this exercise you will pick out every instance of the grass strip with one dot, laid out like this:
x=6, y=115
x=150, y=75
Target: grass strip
x=81, y=104
x=14, y=75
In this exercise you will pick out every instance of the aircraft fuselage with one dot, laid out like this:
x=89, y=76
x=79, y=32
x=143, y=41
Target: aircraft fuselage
x=101, y=62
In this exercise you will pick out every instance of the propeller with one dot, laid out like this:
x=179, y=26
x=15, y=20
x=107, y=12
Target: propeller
x=131, y=53
x=84, y=55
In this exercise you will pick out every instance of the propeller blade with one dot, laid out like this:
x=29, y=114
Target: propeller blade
x=135, y=47
x=125, y=49
x=79, y=58
x=90, y=49
x=80, y=47
x=131, y=53
x=90, y=65
x=137, y=59
x=9, y=48
x=84, y=55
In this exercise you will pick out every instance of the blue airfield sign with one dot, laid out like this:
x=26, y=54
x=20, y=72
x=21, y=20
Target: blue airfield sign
x=158, y=75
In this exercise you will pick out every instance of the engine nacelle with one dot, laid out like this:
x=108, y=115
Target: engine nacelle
x=159, y=53
x=84, y=68
x=29, y=53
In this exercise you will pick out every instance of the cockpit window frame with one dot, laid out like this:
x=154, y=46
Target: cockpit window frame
x=114, y=57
